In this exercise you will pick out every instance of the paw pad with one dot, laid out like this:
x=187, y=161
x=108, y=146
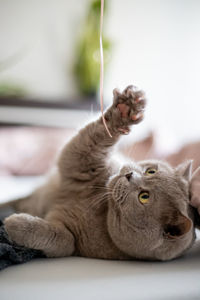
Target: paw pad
x=131, y=103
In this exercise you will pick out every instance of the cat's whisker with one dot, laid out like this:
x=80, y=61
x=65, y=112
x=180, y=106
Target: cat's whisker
x=122, y=197
x=99, y=187
x=92, y=197
x=98, y=199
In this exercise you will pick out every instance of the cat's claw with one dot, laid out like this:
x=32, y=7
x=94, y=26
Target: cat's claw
x=124, y=130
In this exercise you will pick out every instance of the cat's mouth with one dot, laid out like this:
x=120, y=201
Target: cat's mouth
x=120, y=189
x=122, y=185
x=125, y=182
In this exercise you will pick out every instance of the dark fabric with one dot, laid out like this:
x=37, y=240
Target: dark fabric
x=196, y=217
x=10, y=253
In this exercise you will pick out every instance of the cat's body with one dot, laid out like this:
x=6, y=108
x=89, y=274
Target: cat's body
x=82, y=212
x=92, y=207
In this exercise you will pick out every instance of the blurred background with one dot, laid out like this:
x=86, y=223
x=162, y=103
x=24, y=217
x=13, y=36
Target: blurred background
x=49, y=76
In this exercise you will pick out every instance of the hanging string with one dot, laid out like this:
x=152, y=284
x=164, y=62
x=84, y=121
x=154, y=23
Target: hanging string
x=101, y=68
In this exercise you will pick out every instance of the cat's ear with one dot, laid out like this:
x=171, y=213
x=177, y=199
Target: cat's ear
x=185, y=169
x=178, y=227
x=195, y=189
x=116, y=93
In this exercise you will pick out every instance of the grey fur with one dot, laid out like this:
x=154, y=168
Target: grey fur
x=90, y=206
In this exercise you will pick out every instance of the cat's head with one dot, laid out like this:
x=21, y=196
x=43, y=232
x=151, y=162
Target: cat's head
x=149, y=214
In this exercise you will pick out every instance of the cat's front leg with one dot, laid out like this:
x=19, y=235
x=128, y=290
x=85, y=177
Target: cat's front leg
x=84, y=157
x=53, y=238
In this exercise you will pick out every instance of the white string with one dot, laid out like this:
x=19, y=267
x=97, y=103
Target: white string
x=101, y=68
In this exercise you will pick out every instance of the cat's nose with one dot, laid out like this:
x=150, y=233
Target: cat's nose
x=134, y=177
x=129, y=175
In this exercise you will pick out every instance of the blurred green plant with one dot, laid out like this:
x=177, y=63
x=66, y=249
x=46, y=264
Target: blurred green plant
x=87, y=54
x=9, y=88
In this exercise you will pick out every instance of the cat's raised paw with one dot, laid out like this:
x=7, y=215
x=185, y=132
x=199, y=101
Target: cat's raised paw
x=131, y=104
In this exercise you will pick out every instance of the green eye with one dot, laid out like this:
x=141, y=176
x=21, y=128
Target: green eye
x=144, y=197
x=150, y=171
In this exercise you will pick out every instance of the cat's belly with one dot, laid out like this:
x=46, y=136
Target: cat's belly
x=93, y=240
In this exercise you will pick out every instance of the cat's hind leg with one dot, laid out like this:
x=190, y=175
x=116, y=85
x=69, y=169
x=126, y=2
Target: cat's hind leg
x=53, y=238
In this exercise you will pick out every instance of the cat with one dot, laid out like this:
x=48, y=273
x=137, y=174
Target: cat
x=94, y=206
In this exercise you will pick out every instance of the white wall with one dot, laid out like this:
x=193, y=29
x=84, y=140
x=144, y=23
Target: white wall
x=156, y=46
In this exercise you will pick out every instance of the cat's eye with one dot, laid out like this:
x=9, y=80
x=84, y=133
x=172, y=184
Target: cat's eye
x=150, y=171
x=144, y=197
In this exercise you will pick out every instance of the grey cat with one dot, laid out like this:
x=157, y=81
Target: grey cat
x=94, y=207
